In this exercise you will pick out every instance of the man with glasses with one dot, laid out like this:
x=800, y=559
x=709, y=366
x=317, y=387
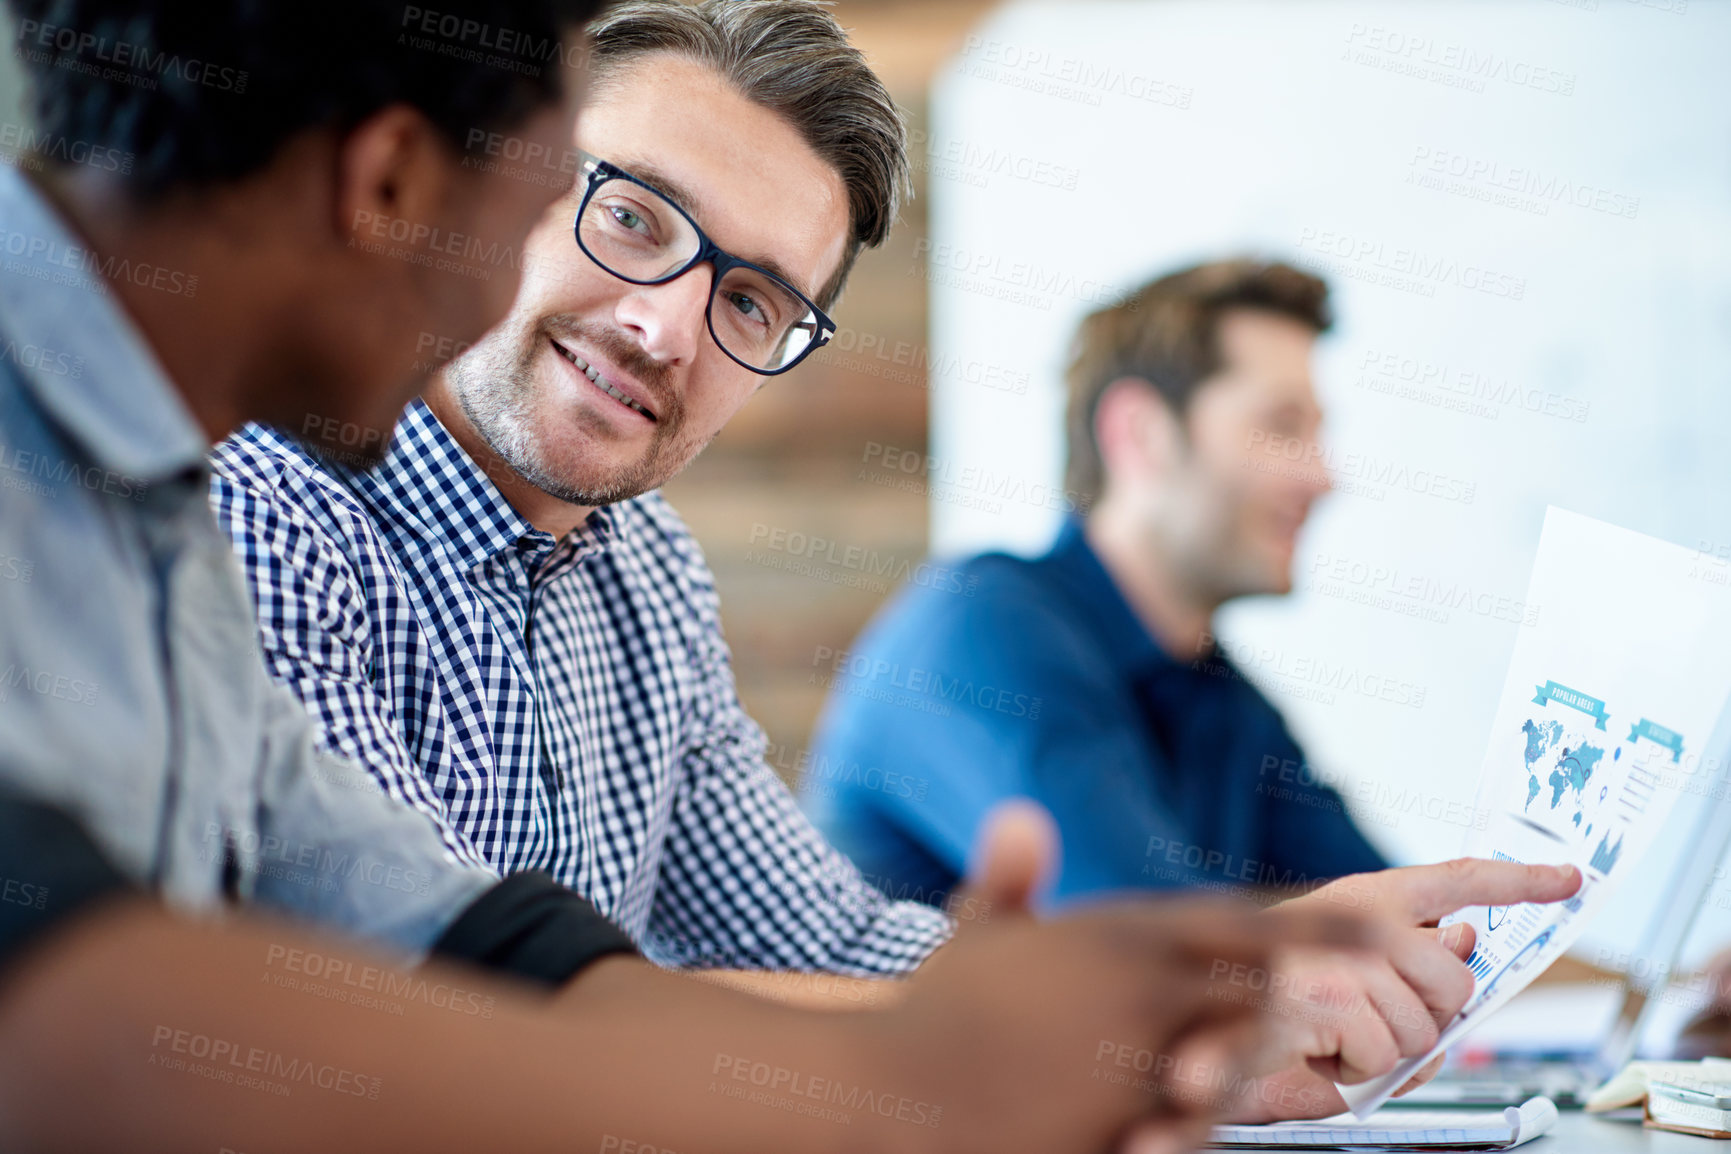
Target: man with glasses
x=504, y=621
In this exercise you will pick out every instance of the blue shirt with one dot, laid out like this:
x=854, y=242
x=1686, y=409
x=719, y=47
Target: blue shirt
x=1034, y=678
x=561, y=704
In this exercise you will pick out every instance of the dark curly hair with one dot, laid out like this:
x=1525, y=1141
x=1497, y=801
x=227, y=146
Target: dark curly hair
x=204, y=94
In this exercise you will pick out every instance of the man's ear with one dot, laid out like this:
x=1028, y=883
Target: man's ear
x=394, y=171
x=1138, y=434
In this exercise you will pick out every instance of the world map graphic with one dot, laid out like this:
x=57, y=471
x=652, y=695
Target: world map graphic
x=1561, y=760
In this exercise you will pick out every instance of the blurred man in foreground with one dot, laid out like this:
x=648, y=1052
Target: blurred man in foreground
x=1191, y=419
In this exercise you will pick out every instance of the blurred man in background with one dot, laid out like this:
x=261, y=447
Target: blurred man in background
x=1089, y=678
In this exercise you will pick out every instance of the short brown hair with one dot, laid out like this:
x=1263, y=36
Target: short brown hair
x=1167, y=333
x=793, y=58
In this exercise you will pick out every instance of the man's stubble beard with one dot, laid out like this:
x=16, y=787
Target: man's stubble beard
x=493, y=384
x=1211, y=548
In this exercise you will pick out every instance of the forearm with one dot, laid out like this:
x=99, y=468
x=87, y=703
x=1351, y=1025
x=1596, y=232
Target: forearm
x=134, y=1030
x=808, y=991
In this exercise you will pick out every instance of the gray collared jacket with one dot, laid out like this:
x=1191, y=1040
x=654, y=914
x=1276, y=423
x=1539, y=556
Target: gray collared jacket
x=132, y=692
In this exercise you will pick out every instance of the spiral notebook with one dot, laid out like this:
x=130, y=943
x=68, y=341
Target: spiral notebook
x=1401, y=1130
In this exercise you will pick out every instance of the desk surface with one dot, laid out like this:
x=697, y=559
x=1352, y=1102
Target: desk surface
x=1577, y=1132
x=1581, y=1133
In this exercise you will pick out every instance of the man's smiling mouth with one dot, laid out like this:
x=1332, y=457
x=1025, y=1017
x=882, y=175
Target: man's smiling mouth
x=600, y=381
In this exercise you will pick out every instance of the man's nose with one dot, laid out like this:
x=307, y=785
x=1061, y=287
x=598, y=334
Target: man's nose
x=1319, y=477
x=668, y=319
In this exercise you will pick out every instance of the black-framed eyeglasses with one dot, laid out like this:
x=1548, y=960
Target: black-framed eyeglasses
x=639, y=235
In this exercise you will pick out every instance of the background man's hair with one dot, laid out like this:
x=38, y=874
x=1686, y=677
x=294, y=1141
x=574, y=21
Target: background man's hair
x=201, y=94
x=1167, y=333
x=791, y=57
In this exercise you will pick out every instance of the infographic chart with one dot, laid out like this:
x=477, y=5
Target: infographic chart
x=1602, y=725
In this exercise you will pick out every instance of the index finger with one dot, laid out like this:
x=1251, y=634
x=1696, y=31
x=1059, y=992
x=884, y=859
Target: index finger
x=1436, y=890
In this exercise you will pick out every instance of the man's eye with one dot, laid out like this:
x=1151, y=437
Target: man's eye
x=750, y=308
x=626, y=217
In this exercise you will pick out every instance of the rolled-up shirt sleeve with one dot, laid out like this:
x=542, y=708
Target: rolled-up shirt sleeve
x=533, y=928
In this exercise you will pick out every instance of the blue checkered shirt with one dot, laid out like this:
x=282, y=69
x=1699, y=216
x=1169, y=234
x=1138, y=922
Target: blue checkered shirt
x=565, y=705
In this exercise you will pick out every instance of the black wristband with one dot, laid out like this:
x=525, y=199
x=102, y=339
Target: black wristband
x=50, y=870
x=533, y=927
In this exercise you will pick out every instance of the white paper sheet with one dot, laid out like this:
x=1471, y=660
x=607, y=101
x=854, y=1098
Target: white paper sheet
x=1444, y=1129
x=1603, y=723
